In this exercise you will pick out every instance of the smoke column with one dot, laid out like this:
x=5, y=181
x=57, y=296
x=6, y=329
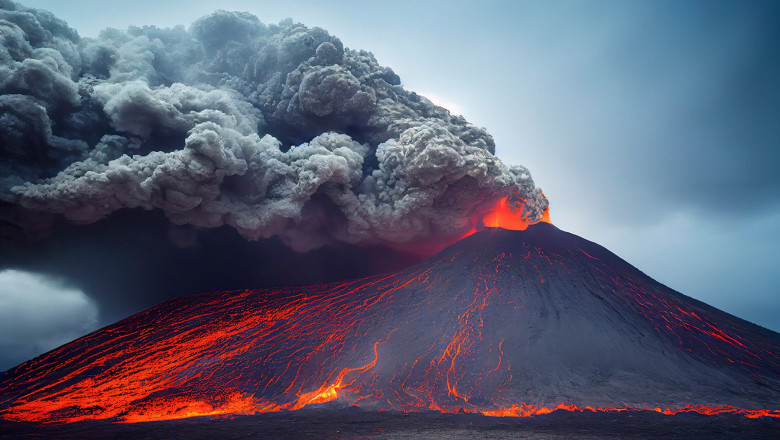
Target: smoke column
x=273, y=129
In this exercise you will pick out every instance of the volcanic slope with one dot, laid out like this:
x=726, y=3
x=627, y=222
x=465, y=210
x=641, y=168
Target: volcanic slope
x=502, y=323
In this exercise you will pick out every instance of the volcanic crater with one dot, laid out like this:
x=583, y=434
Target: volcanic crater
x=502, y=323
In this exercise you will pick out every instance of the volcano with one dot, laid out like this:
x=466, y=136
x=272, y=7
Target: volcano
x=503, y=323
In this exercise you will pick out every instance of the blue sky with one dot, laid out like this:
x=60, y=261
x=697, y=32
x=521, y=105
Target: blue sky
x=651, y=126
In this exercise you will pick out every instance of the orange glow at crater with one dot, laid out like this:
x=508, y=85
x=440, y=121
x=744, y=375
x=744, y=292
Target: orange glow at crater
x=506, y=216
x=546, y=215
x=509, y=215
x=434, y=337
x=505, y=213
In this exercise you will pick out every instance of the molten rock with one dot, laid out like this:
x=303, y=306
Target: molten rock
x=503, y=323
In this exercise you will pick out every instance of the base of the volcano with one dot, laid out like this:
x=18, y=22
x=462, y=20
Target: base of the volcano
x=354, y=423
x=503, y=323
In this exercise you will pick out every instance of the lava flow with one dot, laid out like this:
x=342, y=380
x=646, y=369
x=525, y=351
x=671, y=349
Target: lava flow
x=503, y=323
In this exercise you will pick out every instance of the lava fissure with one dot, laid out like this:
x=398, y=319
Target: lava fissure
x=503, y=323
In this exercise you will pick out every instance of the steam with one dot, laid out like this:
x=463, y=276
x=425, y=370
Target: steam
x=271, y=129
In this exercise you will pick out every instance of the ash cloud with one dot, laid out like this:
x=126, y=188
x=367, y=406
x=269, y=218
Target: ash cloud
x=272, y=129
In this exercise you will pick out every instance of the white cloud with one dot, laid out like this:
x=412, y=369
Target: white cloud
x=452, y=106
x=39, y=313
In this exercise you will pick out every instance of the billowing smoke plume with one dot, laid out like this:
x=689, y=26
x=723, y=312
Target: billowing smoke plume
x=272, y=129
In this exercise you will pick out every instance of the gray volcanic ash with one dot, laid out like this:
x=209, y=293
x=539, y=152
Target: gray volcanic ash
x=274, y=130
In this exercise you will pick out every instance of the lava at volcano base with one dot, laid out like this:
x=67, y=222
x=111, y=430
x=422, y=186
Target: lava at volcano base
x=503, y=323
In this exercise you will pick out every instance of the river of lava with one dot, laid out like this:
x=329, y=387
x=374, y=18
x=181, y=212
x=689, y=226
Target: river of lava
x=450, y=334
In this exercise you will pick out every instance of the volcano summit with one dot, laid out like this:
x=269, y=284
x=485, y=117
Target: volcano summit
x=501, y=323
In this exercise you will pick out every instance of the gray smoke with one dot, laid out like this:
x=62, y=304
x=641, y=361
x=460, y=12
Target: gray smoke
x=271, y=129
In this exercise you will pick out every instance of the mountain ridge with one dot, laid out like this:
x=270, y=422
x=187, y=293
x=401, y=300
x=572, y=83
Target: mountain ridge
x=501, y=322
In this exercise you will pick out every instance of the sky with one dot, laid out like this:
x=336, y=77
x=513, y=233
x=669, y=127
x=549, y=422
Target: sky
x=652, y=128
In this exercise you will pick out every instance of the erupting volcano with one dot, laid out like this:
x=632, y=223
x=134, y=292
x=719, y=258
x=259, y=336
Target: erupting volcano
x=503, y=323
x=213, y=156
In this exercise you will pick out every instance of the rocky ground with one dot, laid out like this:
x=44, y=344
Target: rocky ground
x=358, y=424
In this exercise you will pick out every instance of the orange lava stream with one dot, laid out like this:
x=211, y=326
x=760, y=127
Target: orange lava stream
x=254, y=352
x=183, y=407
x=524, y=410
x=327, y=393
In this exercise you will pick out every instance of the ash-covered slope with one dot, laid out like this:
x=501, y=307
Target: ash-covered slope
x=503, y=323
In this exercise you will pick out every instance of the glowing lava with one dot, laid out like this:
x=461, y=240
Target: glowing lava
x=506, y=216
x=503, y=323
x=508, y=213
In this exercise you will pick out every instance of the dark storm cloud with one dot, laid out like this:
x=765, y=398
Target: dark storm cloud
x=722, y=144
x=701, y=95
x=274, y=130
